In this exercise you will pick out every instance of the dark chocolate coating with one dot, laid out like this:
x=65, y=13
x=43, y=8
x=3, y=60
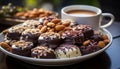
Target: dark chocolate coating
x=50, y=39
x=30, y=37
x=43, y=52
x=24, y=52
x=52, y=43
x=14, y=35
x=85, y=29
x=88, y=33
x=89, y=49
x=97, y=37
x=73, y=37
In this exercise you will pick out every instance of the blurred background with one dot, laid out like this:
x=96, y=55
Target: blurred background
x=111, y=6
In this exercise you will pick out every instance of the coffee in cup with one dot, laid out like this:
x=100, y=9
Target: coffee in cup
x=85, y=14
x=82, y=13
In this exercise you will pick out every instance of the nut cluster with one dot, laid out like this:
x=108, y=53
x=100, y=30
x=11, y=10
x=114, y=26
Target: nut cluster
x=102, y=43
x=35, y=13
x=105, y=41
x=55, y=25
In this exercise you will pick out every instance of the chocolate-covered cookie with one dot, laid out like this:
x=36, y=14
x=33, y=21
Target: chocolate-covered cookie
x=86, y=30
x=43, y=52
x=30, y=35
x=67, y=51
x=73, y=37
x=22, y=48
x=14, y=33
x=50, y=39
x=89, y=46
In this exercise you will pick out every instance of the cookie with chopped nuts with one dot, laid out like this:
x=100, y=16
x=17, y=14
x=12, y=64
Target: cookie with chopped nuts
x=73, y=37
x=50, y=39
x=30, y=35
x=14, y=33
x=43, y=52
x=22, y=48
x=86, y=30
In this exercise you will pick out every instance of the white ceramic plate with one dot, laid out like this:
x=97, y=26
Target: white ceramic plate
x=58, y=62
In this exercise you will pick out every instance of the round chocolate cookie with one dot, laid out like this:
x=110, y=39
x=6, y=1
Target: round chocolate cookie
x=43, y=52
x=22, y=48
x=14, y=33
x=30, y=35
x=50, y=39
x=73, y=37
x=86, y=30
x=67, y=51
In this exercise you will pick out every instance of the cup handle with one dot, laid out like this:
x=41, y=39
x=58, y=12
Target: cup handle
x=110, y=22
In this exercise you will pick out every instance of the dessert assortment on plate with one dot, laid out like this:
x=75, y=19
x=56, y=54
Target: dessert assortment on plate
x=53, y=38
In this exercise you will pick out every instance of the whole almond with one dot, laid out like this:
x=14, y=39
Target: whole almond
x=5, y=31
x=66, y=24
x=48, y=28
x=101, y=44
x=43, y=29
x=60, y=23
x=26, y=14
x=45, y=22
x=105, y=37
x=60, y=32
x=19, y=14
x=33, y=13
x=52, y=30
x=67, y=28
x=42, y=15
x=48, y=12
x=59, y=27
x=56, y=21
x=50, y=24
x=106, y=41
x=5, y=46
x=40, y=26
x=32, y=16
x=86, y=42
x=41, y=11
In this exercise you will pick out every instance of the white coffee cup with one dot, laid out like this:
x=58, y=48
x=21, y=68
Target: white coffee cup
x=93, y=20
